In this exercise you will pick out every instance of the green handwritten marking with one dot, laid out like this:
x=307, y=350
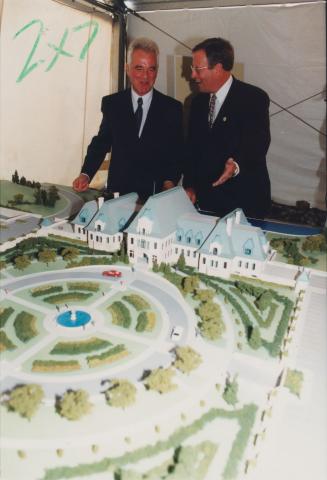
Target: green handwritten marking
x=59, y=50
x=95, y=26
x=27, y=67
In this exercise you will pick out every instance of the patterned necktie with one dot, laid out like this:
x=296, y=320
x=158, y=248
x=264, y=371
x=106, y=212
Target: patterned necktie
x=212, y=105
x=139, y=113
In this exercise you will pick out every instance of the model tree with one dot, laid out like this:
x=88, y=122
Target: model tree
x=74, y=404
x=25, y=400
x=190, y=284
x=255, y=338
x=230, y=391
x=47, y=255
x=15, y=177
x=121, y=393
x=264, y=300
x=211, y=326
x=204, y=295
x=22, y=261
x=160, y=380
x=294, y=381
x=181, y=262
x=69, y=253
x=187, y=359
x=3, y=265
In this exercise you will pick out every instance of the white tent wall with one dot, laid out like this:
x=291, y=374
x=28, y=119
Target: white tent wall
x=50, y=99
x=282, y=49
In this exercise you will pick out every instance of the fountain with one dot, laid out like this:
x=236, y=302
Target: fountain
x=73, y=318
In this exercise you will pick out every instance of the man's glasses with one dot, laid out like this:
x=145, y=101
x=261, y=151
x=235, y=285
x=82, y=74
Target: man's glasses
x=197, y=69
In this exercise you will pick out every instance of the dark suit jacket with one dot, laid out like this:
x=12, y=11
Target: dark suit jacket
x=138, y=164
x=241, y=131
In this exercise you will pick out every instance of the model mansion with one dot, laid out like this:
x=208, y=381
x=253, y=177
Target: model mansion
x=167, y=226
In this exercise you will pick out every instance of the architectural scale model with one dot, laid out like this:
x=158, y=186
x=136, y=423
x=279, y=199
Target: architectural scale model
x=151, y=342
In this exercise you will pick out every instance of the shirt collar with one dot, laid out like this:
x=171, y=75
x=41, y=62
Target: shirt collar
x=221, y=94
x=146, y=98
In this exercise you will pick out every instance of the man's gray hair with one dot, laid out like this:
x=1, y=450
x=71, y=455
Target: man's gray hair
x=145, y=44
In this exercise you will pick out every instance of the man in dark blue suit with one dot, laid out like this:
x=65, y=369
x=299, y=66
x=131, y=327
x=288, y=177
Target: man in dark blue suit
x=228, y=137
x=142, y=128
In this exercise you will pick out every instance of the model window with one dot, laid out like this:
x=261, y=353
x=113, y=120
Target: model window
x=204, y=260
x=225, y=264
x=98, y=228
x=132, y=240
x=91, y=236
x=131, y=253
x=253, y=266
x=155, y=245
x=247, y=251
x=142, y=243
x=176, y=250
x=240, y=263
x=215, y=251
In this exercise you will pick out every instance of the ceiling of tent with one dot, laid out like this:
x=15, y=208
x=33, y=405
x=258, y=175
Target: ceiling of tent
x=147, y=5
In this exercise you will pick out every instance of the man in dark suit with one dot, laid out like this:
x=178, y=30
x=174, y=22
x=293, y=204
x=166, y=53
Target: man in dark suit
x=228, y=137
x=142, y=128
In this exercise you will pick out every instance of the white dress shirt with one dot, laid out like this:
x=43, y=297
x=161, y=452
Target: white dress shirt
x=147, y=98
x=221, y=94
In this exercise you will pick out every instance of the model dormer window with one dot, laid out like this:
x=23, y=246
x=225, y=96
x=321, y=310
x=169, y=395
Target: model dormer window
x=144, y=225
x=248, y=247
x=189, y=236
x=198, y=238
x=215, y=246
x=98, y=228
x=179, y=235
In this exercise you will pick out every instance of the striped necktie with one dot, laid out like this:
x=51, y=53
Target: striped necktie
x=139, y=113
x=212, y=105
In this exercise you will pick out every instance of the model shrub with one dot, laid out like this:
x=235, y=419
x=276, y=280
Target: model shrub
x=46, y=290
x=25, y=326
x=4, y=315
x=120, y=314
x=82, y=346
x=74, y=404
x=25, y=400
x=138, y=302
x=5, y=342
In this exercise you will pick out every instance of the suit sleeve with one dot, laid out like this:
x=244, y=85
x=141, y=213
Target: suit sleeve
x=100, y=144
x=250, y=152
x=190, y=155
x=174, y=145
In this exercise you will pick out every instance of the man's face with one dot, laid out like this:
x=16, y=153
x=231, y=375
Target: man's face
x=142, y=71
x=207, y=79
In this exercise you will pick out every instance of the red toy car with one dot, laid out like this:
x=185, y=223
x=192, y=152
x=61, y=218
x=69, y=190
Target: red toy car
x=111, y=273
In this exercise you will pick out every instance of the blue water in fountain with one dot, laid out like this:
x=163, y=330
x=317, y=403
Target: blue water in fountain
x=65, y=318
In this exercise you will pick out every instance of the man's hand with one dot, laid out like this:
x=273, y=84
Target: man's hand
x=191, y=194
x=167, y=185
x=81, y=183
x=229, y=171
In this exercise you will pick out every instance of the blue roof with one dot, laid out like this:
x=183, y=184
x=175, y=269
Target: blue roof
x=244, y=240
x=193, y=229
x=86, y=213
x=163, y=210
x=115, y=214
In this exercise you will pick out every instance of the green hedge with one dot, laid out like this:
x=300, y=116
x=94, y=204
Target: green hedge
x=83, y=346
x=25, y=326
x=4, y=315
x=245, y=418
x=67, y=297
x=5, y=342
x=138, y=302
x=38, y=292
x=120, y=314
